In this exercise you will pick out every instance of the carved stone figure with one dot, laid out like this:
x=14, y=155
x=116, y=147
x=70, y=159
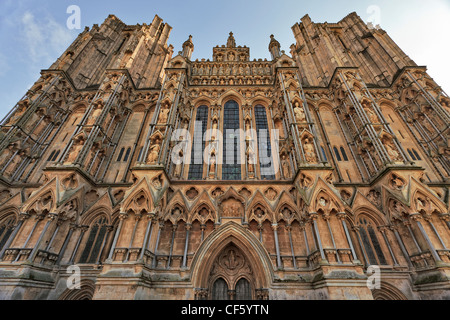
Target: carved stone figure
x=299, y=113
x=310, y=154
x=286, y=166
x=154, y=152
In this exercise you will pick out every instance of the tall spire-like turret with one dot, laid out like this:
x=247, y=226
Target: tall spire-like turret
x=188, y=48
x=274, y=48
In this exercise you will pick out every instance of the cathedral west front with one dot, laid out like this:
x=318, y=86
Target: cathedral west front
x=159, y=177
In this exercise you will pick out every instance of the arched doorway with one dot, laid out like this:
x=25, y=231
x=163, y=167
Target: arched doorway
x=231, y=264
x=231, y=276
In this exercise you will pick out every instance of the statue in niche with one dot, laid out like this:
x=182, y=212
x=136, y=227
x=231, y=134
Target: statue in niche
x=220, y=70
x=251, y=163
x=212, y=165
x=426, y=124
x=310, y=154
x=299, y=113
x=164, y=114
x=235, y=69
x=286, y=166
x=392, y=151
x=231, y=56
x=75, y=150
x=214, y=70
x=179, y=166
x=98, y=108
x=247, y=70
x=227, y=70
x=154, y=152
x=370, y=113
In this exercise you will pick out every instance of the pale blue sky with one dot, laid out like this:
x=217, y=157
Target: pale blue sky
x=33, y=33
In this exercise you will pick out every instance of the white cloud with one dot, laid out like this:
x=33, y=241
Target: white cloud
x=45, y=39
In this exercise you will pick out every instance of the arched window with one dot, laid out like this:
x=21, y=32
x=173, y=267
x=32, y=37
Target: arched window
x=417, y=155
x=370, y=242
x=264, y=145
x=231, y=167
x=324, y=154
x=243, y=290
x=198, y=144
x=119, y=158
x=220, y=290
x=411, y=155
x=6, y=228
x=127, y=155
x=51, y=156
x=95, y=241
x=344, y=154
x=338, y=156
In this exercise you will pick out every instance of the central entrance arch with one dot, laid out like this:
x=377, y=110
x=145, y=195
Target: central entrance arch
x=231, y=276
x=231, y=264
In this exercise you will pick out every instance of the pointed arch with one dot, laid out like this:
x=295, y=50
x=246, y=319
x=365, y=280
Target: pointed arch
x=231, y=233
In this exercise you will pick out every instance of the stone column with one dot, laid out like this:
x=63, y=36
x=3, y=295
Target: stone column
x=386, y=240
x=122, y=218
x=277, y=246
x=74, y=253
x=66, y=242
x=356, y=229
x=288, y=228
x=51, y=217
x=174, y=230
x=402, y=246
x=314, y=216
x=148, y=235
x=161, y=226
x=186, y=246
x=342, y=216
x=327, y=219
x=417, y=217
x=133, y=234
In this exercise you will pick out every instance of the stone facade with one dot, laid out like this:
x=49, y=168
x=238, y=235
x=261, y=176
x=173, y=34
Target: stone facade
x=353, y=171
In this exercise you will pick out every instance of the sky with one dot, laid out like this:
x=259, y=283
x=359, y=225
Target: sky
x=33, y=34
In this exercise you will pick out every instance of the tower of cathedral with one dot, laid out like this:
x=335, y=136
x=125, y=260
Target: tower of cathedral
x=158, y=177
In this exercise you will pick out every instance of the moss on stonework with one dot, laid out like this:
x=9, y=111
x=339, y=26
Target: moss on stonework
x=431, y=278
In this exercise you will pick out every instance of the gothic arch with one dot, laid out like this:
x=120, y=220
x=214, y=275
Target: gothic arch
x=86, y=292
x=231, y=233
x=371, y=214
x=231, y=95
x=90, y=217
x=388, y=292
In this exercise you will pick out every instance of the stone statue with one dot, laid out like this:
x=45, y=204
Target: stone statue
x=212, y=165
x=310, y=154
x=75, y=150
x=392, y=152
x=164, y=115
x=95, y=114
x=285, y=165
x=179, y=166
x=299, y=113
x=154, y=152
x=231, y=43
